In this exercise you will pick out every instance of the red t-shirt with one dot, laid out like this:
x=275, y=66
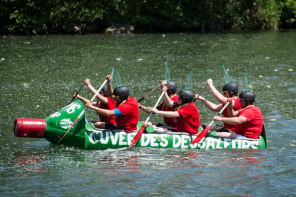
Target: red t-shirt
x=253, y=127
x=109, y=106
x=225, y=113
x=189, y=119
x=130, y=115
x=163, y=107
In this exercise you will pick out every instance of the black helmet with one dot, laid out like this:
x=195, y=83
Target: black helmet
x=247, y=96
x=104, y=88
x=172, y=86
x=231, y=86
x=122, y=91
x=187, y=95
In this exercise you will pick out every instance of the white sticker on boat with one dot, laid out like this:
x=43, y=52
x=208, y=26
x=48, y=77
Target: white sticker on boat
x=92, y=139
x=57, y=114
x=71, y=108
x=66, y=123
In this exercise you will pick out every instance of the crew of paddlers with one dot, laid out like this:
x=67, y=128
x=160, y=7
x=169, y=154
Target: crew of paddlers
x=118, y=110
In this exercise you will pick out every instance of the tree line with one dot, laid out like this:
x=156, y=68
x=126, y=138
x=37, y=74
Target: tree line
x=94, y=16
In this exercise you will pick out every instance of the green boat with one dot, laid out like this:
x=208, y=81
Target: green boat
x=83, y=134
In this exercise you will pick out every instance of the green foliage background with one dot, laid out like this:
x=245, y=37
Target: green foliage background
x=94, y=16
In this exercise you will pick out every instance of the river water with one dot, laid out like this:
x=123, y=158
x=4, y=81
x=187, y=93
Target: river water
x=39, y=76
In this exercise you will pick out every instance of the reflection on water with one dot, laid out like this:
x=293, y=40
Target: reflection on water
x=29, y=165
x=40, y=74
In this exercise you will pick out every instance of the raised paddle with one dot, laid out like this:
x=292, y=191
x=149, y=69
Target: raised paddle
x=138, y=135
x=86, y=107
x=167, y=77
x=76, y=93
x=206, y=130
x=149, y=93
x=201, y=91
x=189, y=81
x=225, y=74
x=167, y=74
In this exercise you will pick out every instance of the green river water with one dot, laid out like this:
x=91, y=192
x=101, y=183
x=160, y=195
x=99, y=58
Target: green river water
x=39, y=76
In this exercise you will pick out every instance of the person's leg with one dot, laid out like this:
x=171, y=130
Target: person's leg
x=163, y=128
x=226, y=134
x=222, y=129
x=100, y=125
x=104, y=125
x=213, y=127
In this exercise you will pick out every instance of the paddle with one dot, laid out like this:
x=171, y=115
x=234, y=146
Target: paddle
x=167, y=72
x=225, y=74
x=86, y=107
x=138, y=135
x=201, y=92
x=189, y=81
x=167, y=77
x=117, y=78
x=149, y=93
x=76, y=93
x=206, y=130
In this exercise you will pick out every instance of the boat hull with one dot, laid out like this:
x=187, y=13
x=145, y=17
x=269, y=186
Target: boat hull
x=83, y=135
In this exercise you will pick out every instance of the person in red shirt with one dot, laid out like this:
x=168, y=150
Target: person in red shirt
x=249, y=119
x=185, y=112
x=171, y=92
x=230, y=90
x=126, y=112
x=104, y=102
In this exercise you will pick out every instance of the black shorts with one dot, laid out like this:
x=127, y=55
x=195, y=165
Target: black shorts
x=109, y=126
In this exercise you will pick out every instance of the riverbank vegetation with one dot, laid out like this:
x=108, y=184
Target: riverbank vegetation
x=94, y=16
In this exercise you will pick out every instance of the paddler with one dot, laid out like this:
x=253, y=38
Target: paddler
x=171, y=92
x=230, y=91
x=248, y=120
x=104, y=102
x=185, y=112
x=126, y=112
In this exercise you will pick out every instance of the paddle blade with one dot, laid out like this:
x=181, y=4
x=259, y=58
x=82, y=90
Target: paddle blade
x=112, y=74
x=246, y=83
x=167, y=75
x=189, y=81
x=201, y=135
x=225, y=75
x=137, y=136
x=118, y=78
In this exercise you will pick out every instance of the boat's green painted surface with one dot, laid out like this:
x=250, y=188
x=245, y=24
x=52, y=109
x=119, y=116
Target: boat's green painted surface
x=85, y=136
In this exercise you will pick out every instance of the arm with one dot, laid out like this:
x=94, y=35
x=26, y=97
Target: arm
x=232, y=120
x=145, y=109
x=222, y=99
x=166, y=99
x=94, y=91
x=109, y=87
x=103, y=112
x=230, y=109
x=84, y=100
x=209, y=104
x=169, y=114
